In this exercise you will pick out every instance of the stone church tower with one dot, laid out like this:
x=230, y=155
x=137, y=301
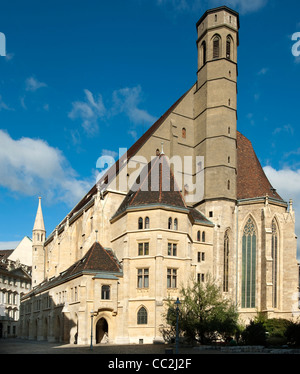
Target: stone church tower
x=150, y=241
x=38, y=239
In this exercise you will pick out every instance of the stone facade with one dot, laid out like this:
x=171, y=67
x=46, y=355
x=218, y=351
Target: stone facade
x=221, y=217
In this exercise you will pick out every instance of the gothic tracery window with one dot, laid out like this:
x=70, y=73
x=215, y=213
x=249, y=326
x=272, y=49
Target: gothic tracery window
x=249, y=265
x=142, y=316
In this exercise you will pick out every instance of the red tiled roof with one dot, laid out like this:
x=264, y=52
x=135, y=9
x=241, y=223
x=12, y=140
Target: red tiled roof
x=96, y=260
x=251, y=179
x=156, y=185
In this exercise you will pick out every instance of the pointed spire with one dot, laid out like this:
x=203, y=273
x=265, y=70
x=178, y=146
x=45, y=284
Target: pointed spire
x=39, y=220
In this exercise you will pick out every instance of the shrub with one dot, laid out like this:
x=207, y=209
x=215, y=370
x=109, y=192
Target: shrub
x=254, y=334
x=293, y=333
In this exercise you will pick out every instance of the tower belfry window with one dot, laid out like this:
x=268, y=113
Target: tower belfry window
x=216, y=47
x=204, y=53
x=228, y=47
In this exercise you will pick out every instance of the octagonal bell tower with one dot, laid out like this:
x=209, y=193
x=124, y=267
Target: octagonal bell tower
x=215, y=101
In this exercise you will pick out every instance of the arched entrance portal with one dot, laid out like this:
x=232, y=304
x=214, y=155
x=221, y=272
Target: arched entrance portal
x=102, y=331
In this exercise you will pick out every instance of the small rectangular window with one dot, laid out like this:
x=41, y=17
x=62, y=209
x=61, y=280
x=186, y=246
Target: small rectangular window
x=172, y=278
x=143, y=249
x=143, y=278
x=172, y=249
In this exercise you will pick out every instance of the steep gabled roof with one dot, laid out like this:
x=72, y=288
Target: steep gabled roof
x=96, y=260
x=198, y=217
x=114, y=170
x=155, y=185
x=252, y=182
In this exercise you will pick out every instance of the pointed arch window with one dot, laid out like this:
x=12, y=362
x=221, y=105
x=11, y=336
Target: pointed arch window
x=203, y=53
x=203, y=236
x=183, y=133
x=249, y=264
x=170, y=223
x=216, y=47
x=226, y=262
x=140, y=223
x=147, y=223
x=228, y=47
x=274, y=254
x=175, y=224
x=198, y=236
x=142, y=316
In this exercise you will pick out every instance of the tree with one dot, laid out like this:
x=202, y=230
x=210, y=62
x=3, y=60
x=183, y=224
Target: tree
x=204, y=315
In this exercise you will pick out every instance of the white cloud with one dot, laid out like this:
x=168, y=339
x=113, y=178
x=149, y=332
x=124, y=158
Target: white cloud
x=242, y=6
x=3, y=105
x=287, y=184
x=32, y=84
x=263, y=71
x=31, y=167
x=88, y=111
x=126, y=100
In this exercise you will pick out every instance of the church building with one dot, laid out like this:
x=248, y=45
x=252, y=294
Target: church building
x=188, y=200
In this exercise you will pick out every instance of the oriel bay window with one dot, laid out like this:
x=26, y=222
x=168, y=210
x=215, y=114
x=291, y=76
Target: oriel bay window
x=143, y=278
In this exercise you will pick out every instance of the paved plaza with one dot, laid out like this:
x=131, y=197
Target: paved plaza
x=21, y=346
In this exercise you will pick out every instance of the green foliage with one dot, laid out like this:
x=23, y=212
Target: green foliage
x=203, y=314
x=254, y=333
x=292, y=333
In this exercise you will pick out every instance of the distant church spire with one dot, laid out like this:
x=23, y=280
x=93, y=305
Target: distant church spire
x=38, y=240
x=39, y=220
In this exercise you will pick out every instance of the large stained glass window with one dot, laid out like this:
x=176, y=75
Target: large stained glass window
x=249, y=265
x=274, y=254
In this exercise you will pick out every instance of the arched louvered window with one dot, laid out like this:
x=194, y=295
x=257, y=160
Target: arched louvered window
x=142, y=316
x=216, y=47
x=274, y=254
x=226, y=262
x=249, y=265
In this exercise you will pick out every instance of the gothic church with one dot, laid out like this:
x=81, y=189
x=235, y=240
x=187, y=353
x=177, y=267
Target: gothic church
x=135, y=239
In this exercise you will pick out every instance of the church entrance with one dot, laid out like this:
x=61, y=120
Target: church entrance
x=102, y=331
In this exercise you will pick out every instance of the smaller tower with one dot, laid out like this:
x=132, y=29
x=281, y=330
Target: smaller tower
x=38, y=239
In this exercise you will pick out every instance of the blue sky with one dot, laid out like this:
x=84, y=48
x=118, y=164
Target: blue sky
x=81, y=79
